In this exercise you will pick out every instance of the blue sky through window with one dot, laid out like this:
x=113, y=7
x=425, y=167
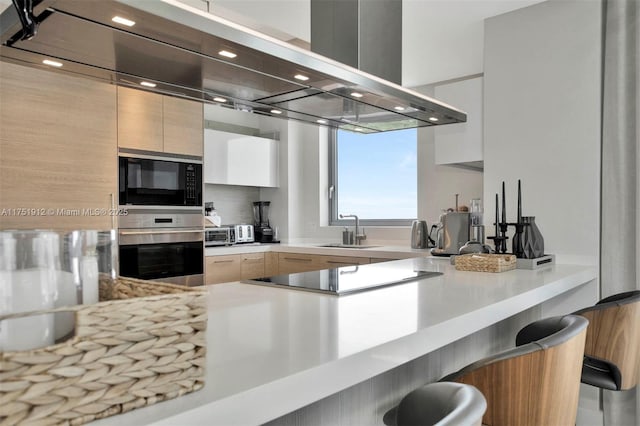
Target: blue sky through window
x=377, y=174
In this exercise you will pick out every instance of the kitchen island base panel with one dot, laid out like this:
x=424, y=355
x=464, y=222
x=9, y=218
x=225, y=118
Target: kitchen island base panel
x=366, y=402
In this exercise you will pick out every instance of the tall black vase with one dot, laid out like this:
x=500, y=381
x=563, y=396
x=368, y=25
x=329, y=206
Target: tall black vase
x=531, y=239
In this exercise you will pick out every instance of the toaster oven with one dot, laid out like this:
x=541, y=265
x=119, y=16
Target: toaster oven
x=223, y=236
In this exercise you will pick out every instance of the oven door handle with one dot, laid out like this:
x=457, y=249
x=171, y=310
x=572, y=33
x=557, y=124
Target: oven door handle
x=158, y=236
x=155, y=232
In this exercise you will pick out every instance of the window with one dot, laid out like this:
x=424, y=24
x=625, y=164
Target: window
x=374, y=176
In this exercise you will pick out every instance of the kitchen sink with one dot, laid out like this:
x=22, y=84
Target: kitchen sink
x=351, y=246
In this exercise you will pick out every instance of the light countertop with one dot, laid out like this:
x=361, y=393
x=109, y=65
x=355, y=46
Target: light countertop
x=381, y=251
x=301, y=347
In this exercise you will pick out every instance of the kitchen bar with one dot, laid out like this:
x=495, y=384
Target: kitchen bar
x=181, y=74
x=274, y=351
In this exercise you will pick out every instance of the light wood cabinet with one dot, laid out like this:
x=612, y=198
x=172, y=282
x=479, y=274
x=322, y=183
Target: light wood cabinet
x=183, y=126
x=290, y=263
x=58, y=150
x=222, y=269
x=152, y=122
x=139, y=120
x=234, y=267
x=245, y=266
x=251, y=266
x=271, y=264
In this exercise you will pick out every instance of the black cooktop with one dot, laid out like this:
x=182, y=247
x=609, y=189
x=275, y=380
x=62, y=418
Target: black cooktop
x=346, y=279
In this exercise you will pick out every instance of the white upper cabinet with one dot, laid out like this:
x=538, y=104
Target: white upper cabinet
x=235, y=159
x=462, y=142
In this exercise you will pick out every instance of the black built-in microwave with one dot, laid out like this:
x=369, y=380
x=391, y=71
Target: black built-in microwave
x=159, y=182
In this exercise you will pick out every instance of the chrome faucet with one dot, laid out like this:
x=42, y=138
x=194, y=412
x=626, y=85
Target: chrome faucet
x=358, y=238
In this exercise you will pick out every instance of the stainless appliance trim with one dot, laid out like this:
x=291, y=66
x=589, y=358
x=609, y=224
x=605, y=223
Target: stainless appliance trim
x=145, y=236
x=131, y=153
x=177, y=231
x=178, y=209
x=161, y=219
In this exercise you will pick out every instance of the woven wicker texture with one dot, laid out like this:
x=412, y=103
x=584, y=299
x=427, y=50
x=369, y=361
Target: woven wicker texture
x=482, y=262
x=125, y=354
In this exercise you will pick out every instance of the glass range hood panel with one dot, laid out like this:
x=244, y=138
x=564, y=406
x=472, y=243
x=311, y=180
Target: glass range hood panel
x=349, y=112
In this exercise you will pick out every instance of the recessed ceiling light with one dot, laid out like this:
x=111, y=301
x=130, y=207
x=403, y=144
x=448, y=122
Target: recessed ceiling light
x=301, y=77
x=358, y=129
x=433, y=119
x=52, y=63
x=321, y=121
x=123, y=21
x=276, y=111
x=227, y=54
x=399, y=108
x=219, y=99
x=147, y=84
x=356, y=94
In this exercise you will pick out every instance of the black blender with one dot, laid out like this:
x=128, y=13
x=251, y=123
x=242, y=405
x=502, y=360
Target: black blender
x=261, y=229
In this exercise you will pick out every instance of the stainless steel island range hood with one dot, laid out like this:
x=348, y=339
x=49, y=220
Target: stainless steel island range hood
x=174, y=49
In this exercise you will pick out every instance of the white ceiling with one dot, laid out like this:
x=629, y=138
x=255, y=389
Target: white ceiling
x=442, y=39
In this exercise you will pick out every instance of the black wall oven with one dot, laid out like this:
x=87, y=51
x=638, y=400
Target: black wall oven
x=162, y=245
x=159, y=181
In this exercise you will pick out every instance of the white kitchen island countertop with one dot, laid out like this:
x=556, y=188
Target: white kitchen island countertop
x=272, y=351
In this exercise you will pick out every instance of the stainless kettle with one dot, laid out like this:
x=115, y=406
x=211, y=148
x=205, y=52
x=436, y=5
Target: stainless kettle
x=419, y=234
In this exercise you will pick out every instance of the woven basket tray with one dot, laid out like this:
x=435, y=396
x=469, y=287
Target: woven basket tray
x=125, y=354
x=482, y=262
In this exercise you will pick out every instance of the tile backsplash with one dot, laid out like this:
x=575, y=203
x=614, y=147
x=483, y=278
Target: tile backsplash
x=233, y=203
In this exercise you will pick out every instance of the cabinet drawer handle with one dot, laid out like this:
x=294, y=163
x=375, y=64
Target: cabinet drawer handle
x=252, y=259
x=223, y=261
x=298, y=259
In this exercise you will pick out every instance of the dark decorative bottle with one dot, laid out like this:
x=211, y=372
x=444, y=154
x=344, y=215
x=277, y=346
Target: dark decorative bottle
x=531, y=239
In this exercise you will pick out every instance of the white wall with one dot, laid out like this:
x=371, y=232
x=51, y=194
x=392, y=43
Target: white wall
x=438, y=184
x=461, y=142
x=542, y=120
x=291, y=17
x=233, y=203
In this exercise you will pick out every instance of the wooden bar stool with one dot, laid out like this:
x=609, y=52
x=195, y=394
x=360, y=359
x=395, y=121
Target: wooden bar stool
x=535, y=383
x=612, y=350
